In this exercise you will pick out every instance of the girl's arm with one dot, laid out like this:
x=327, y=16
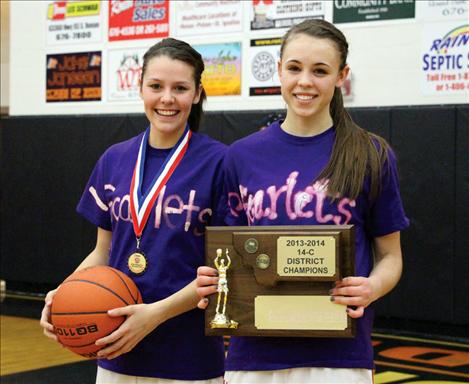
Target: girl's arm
x=98, y=256
x=358, y=292
x=100, y=253
x=144, y=318
x=388, y=264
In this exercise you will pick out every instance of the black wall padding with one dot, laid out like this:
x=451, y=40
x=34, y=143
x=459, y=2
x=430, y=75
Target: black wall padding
x=376, y=120
x=461, y=219
x=46, y=161
x=424, y=139
x=230, y=126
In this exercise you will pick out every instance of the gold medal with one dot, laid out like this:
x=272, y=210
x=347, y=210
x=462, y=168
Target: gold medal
x=137, y=262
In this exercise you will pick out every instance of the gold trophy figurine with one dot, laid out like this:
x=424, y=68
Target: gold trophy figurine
x=221, y=320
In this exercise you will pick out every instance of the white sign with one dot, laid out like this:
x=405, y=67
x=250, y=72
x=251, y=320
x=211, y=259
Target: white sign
x=124, y=70
x=72, y=22
x=445, y=59
x=264, y=55
x=208, y=17
x=275, y=14
x=439, y=10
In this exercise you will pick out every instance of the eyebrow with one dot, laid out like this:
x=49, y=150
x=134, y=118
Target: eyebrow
x=177, y=82
x=295, y=61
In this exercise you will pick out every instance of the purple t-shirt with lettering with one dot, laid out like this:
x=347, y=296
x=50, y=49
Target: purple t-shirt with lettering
x=269, y=179
x=173, y=242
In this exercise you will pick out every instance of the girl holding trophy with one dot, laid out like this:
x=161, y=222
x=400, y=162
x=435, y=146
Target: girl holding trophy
x=316, y=167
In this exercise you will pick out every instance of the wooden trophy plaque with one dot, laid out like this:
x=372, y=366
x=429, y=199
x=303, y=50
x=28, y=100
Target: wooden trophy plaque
x=275, y=280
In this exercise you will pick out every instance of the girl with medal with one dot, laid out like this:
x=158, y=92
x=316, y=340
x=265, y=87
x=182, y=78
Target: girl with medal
x=316, y=167
x=150, y=198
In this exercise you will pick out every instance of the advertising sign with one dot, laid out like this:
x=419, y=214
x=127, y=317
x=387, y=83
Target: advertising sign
x=346, y=11
x=71, y=22
x=138, y=19
x=222, y=75
x=439, y=10
x=263, y=57
x=208, y=17
x=445, y=59
x=274, y=14
x=124, y=71
x=73, y=77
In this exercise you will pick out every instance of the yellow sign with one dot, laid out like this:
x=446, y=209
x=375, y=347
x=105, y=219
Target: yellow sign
x=221, y=80
x=222, y=75
x=73, y=9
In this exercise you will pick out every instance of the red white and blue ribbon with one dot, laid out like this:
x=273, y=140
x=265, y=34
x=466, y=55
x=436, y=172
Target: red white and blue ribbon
x=141, y=205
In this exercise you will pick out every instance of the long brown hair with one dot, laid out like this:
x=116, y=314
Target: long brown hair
x=180, y=50
x=356, y=152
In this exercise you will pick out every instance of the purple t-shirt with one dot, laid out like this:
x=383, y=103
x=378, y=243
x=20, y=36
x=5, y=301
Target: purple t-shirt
x=173, y=242
x=268, y=176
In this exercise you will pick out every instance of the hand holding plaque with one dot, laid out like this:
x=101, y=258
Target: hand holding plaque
x=280, y=278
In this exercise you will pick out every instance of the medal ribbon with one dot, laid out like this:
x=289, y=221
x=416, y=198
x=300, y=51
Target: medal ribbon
x=141, y=205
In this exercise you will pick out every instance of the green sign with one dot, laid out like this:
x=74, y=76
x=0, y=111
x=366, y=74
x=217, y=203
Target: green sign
x=351, y=11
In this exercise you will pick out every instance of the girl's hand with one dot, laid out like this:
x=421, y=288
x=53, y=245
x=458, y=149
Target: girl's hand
x=45, y=323
x=207, y=283
x=141, y=320
x=354, y=292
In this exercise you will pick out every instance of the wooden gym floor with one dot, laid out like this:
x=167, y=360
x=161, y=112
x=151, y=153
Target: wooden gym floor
x=29, y=357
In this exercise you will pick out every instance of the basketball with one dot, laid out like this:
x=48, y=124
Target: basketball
x=80, y=305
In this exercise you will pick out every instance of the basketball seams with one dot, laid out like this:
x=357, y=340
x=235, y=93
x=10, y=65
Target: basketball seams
x=81, y=346
x=94, y=292
x=78, y=313
x=125, y=283
x=99, y=285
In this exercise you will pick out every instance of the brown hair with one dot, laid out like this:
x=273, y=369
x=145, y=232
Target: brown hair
x=180, y=50
x=356, y=152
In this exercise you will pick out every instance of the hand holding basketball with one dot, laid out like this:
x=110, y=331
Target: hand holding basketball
x=141, y=319
x=79, y=307
x=45, y=316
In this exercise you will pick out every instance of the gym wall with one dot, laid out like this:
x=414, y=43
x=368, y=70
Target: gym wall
x=46, y=162
x=49, y=149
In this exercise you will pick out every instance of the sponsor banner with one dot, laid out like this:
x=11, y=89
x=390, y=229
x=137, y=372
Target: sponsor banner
x=445, y=59
x=439, y=10
x=124, y=70
x=138, y=19
x=352, y=11
x=222, y=75
x=274, y=14
x=71, y=22
x=208, y=17
x=263, y=58
x=73, y=77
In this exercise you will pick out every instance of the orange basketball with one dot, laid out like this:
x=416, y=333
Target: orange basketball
x=80, y=305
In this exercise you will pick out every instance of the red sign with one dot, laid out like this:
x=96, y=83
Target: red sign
x=138, y=19
x=59, y=9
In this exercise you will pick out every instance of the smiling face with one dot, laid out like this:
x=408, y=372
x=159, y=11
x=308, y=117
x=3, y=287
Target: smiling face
x=309, y=73
x=168, y=91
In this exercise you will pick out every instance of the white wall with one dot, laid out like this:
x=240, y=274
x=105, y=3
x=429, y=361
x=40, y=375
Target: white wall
x=385, y=58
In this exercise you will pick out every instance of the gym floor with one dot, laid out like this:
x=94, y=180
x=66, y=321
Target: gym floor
x=405, y=352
